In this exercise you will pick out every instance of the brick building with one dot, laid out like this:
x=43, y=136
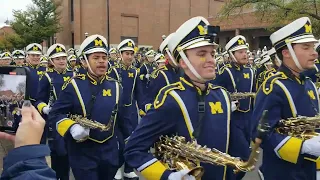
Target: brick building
x=5, y=30
x=145, y=21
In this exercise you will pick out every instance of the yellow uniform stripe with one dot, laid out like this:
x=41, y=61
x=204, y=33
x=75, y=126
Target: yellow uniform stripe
x=41, y=106
x=290, y=150
x=154, y=171
x=64, y=125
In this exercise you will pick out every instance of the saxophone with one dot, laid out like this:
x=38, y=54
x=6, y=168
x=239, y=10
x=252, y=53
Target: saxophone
x=87, y=123
x=178, y=154
x=237, y=96
x=302, y=127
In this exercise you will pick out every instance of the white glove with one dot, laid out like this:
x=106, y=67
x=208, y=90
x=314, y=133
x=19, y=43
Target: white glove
x=148, y=76
x=181, y=175
x=234, y=105
x=46, y=110
x=78, y=132
x=311, y=146
x=318, y=175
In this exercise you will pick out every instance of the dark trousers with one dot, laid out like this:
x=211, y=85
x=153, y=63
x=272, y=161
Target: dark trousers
x=60, y=164
x=102, y=172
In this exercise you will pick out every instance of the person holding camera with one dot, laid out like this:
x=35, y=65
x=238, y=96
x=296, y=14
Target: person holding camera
x=27, y=160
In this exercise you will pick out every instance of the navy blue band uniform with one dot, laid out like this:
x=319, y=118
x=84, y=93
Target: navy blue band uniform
x=286, y=95
x=239, y=78
x=74, y=99
x=129, y=78
x=173, y=114
x=99, y=99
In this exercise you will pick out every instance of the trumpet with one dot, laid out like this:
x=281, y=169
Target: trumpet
x=87, y=123
x=238, y=96
x=178, y=154
x=300, y=127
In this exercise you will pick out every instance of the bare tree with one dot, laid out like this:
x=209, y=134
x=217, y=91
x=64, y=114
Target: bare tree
x=21, y=88
x=276, y=12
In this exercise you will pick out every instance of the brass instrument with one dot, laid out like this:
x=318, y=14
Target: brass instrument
x=178, y=154
x=238, y=95
x=300, y=127
x=87, y=123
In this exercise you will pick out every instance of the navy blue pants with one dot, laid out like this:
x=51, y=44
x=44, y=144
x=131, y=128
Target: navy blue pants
x=240, y=135
x=102, y=172
x=60, y=164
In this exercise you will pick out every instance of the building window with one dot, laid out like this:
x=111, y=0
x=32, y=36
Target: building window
x=72, y=40
x=72, y=10
x=135, y=39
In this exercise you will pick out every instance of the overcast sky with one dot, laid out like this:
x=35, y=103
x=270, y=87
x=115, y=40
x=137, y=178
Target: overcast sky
x=8, y=5
x=11, y=82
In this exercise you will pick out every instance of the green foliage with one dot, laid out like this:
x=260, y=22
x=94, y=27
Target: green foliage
x=39, y=22
x=276, y=12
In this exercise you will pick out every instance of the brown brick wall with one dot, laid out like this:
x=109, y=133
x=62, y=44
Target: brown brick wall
x=150, y=19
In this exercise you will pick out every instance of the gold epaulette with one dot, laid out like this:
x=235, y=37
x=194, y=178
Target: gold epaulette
x=155, y=73
x=267, y=85
x=111, y=79
x=163, y=93
x=221, y=70
x=79, y=76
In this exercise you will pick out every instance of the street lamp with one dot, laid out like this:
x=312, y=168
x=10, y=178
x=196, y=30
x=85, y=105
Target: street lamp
x=86, y=35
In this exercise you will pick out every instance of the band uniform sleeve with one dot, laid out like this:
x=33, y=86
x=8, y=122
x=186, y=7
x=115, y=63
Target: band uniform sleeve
x=157, y=122
x=123, y=116
x=28, y=163
x=62, y=107
x=113, y=73
x=223, y=79
x=156, y=83
x=43, y=93
x=285, y=147
x=139, y=95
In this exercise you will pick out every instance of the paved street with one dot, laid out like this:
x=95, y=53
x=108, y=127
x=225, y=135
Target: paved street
x=5, y=146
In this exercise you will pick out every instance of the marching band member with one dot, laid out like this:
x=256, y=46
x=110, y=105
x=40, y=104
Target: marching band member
x=113, y=60
x=160, y=60
x=34, y=51
x=174, y=111
x=96, y=98
x=48, y=92
x=18, y=57
x=147, y=68
x=81, y=65
x=72, y=61
x=238, y=78
x=6, y=58
x=162, y=76
x=288, y=94
x=128, y=75
x=44, y=62
x=265, y=67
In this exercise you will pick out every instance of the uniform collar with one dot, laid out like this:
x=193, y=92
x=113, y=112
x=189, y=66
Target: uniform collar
x=171, y=68
x=94, y=80
x=32, y=66
x=187, y=82
x=291, y=76
x=124, y=67
x=237, y=66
